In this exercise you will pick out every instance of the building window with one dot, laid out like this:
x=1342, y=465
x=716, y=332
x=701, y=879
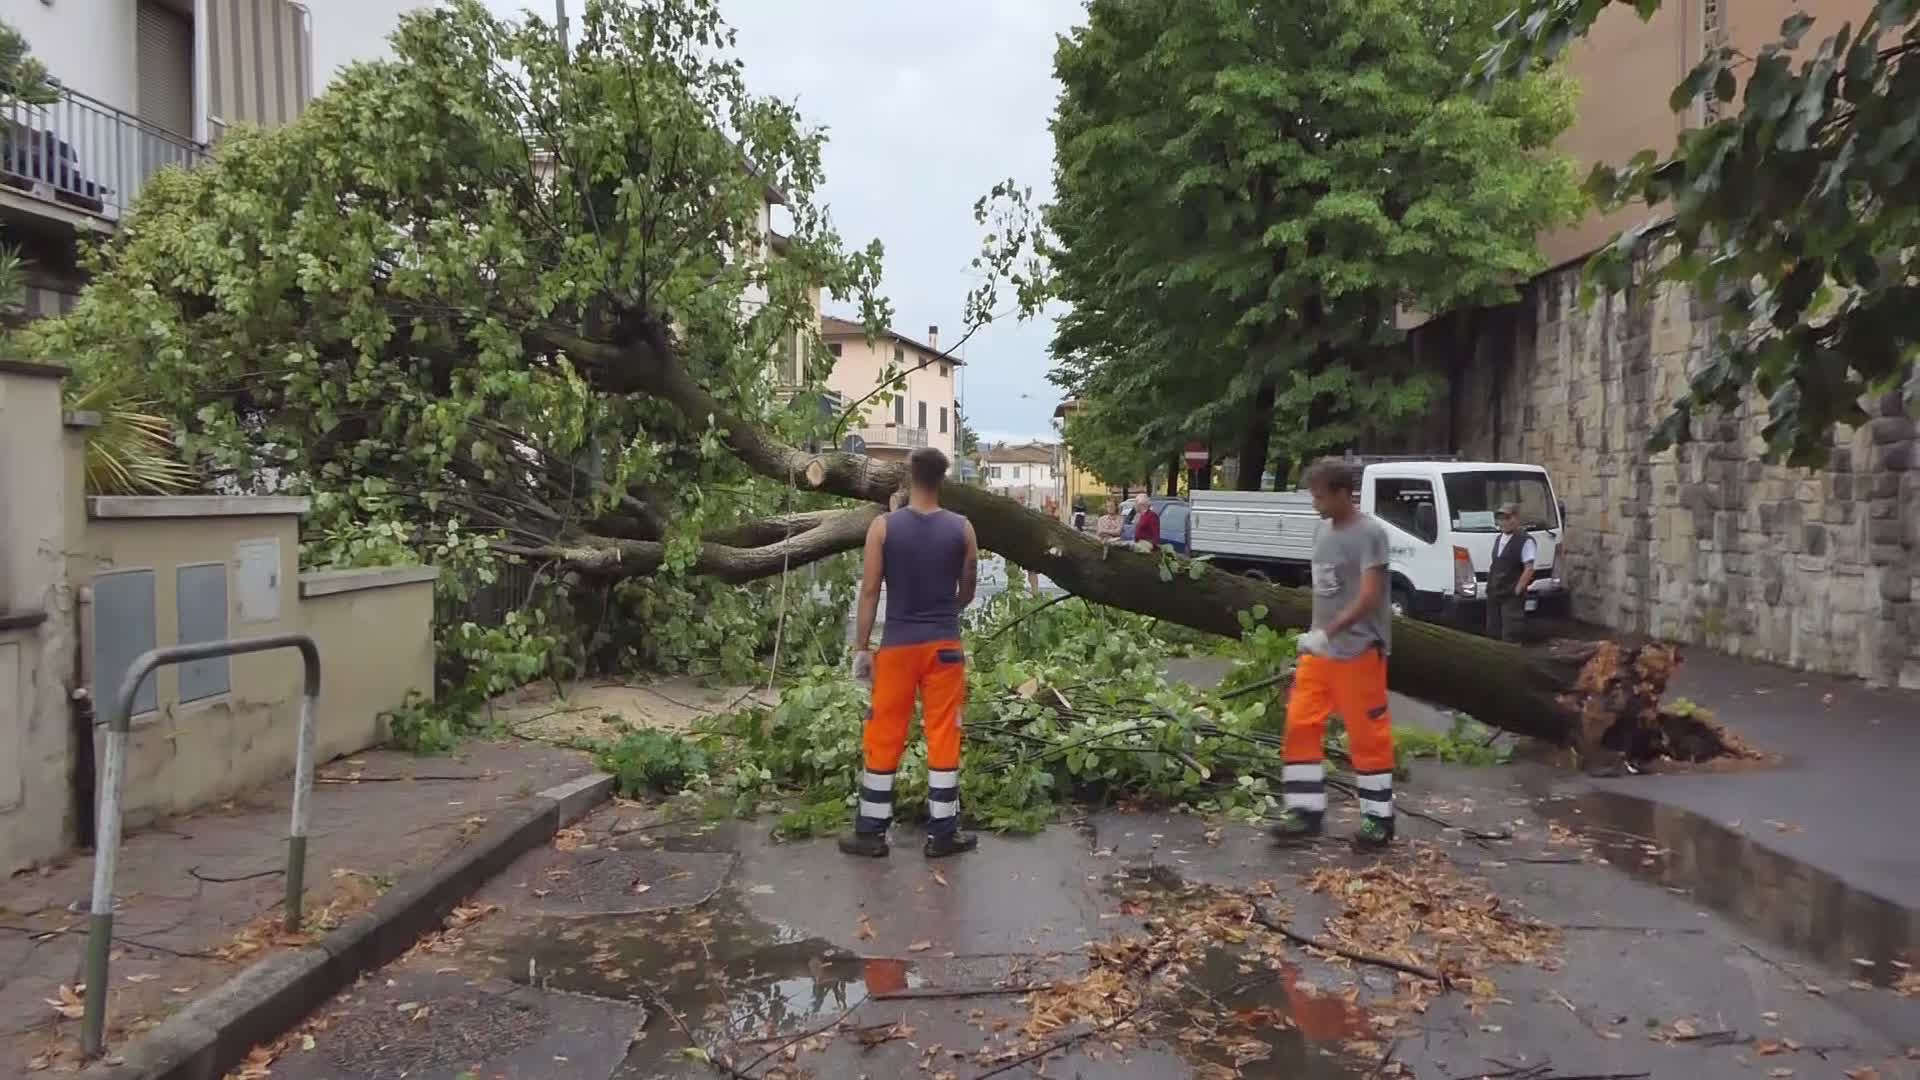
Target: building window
x=899, y=410
x=923, y=416
x=946, y=371
x=943, y=419
x=899, y=355
x=834, y=349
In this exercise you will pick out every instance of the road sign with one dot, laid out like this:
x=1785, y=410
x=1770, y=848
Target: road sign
x=1197, y=455
x=854, y=444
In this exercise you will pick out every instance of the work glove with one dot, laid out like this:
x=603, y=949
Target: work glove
x=863, y=665
x=1314, y=642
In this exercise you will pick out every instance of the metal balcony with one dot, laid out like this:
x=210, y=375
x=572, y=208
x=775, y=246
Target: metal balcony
x=85, y=155
x=898, y=435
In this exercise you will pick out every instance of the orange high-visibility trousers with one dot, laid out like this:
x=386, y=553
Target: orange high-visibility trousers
x=1357, y=690
x=936, y=672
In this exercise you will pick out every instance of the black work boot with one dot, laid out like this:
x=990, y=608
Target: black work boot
x=872, y=845
x=1374, y=834
x=1295, y=826
x=941, y=845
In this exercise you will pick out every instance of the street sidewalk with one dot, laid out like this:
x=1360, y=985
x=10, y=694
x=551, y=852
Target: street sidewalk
x=199, y=897
x=1843, y=798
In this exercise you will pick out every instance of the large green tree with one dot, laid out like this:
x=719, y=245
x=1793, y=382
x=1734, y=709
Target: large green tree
x=1797, y=214
x=1249, y=190
x=496, y=299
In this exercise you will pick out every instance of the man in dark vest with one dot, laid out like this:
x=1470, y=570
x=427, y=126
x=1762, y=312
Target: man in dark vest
x=928, y=559
x=1509, y=575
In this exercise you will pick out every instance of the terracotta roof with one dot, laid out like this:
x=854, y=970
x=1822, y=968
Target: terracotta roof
x=1020, y=454
x=834, y=327
x=1065, y=407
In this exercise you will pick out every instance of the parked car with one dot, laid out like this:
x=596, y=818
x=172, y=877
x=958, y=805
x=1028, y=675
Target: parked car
x=1174, y=515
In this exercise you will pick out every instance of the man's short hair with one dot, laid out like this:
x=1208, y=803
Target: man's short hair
x=928, y=467
x=1331, y=474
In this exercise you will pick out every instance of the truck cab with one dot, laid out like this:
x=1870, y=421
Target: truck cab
x=1440, y=521
x=1441, y=526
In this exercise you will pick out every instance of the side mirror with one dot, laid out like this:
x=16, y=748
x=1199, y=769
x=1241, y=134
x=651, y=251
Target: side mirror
x=1563, y=513
x=1426, y=521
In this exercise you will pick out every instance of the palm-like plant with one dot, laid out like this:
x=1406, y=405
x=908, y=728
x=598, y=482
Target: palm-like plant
x=132, y=452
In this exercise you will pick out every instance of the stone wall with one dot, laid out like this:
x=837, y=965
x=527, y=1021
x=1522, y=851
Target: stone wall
x=1706, y=543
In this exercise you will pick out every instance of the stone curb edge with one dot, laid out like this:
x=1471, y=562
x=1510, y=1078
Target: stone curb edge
x=270, y=996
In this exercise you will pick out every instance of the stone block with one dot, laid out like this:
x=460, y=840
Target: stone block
x=1813, y=540
x=1884, y=531
x=1895, y=583
x=1891, y=429
x=1847, y=593
x=1900, y=456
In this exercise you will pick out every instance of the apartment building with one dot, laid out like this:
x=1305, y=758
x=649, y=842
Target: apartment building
x=924, y=409
x=149, y=84
x=1030, y=473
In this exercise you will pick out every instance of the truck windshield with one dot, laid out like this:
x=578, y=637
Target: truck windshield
x=1473, y=497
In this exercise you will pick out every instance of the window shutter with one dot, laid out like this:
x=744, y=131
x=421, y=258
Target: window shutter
x=163, y=58
x=260, y=62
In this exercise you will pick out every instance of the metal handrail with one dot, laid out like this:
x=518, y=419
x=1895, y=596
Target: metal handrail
x=83, y=153
x=106, y=848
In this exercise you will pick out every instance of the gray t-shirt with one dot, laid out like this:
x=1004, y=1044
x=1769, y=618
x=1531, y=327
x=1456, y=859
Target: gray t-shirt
x=1340, y=557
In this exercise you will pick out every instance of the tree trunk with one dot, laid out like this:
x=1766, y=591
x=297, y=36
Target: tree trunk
x=1598, y=698
x=1258, y=436
x=1173, y=474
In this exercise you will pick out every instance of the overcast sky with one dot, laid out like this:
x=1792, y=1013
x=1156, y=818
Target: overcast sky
x=926, y=103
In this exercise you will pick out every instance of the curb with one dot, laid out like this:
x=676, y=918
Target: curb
x=204, y=1040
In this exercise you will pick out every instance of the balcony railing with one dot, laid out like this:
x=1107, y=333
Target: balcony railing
x=893, y=435
x=84, y=154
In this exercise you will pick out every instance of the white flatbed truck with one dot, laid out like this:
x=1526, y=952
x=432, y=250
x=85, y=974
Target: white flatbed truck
x=1439, y=517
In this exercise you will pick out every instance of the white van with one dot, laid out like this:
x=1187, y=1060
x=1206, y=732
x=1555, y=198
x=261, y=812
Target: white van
x=1439, y=517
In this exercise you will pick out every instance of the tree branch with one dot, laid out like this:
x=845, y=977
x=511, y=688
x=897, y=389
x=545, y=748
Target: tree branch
x=829, y=533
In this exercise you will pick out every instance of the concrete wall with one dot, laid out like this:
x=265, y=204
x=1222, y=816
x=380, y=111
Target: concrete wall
x=373, y=628
x=36, y=620
x=1703, y=544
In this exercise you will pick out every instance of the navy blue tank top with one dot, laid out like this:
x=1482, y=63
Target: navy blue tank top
x=922, y=562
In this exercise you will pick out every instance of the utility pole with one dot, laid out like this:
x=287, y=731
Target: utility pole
x=560, y=22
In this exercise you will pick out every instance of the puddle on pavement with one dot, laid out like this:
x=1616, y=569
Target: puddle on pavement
x=1772, y=894
x=1280, y=1023
x=718, y=967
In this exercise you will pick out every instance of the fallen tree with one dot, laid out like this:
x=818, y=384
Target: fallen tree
x=556, y=328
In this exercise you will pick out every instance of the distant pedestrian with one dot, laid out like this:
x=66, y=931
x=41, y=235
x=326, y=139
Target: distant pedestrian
x=1108, y=528
x=928, y=559
x=1342, y=668
x=1146, y=523
x=1509, y=575
x=1079, y=514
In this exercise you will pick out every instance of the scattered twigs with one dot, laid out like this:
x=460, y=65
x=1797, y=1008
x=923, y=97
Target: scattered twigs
x=1266, y=919
x=745, y=1073
x=1066, y=1043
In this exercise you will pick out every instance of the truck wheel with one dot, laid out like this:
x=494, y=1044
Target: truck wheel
x=1402, y=602
x=1256, y=574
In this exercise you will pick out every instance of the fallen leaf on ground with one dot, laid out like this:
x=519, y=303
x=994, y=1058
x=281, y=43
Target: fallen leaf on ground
x=864, y=930
x=939, y=878
x=640, y=887
x=1780, y=1074
x=1864, y=1072
x=69, y=1003
x=1782, y=826
x=920, y=946
x=142, y=978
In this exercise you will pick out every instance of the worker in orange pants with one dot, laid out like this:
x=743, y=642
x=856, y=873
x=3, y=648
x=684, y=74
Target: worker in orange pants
x=928, y=559
x=1342, y=668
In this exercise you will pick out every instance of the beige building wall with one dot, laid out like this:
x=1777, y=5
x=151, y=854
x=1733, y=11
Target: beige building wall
x=1627, y=70
x=931, y=380
x=37, y=638
x=373, y=629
